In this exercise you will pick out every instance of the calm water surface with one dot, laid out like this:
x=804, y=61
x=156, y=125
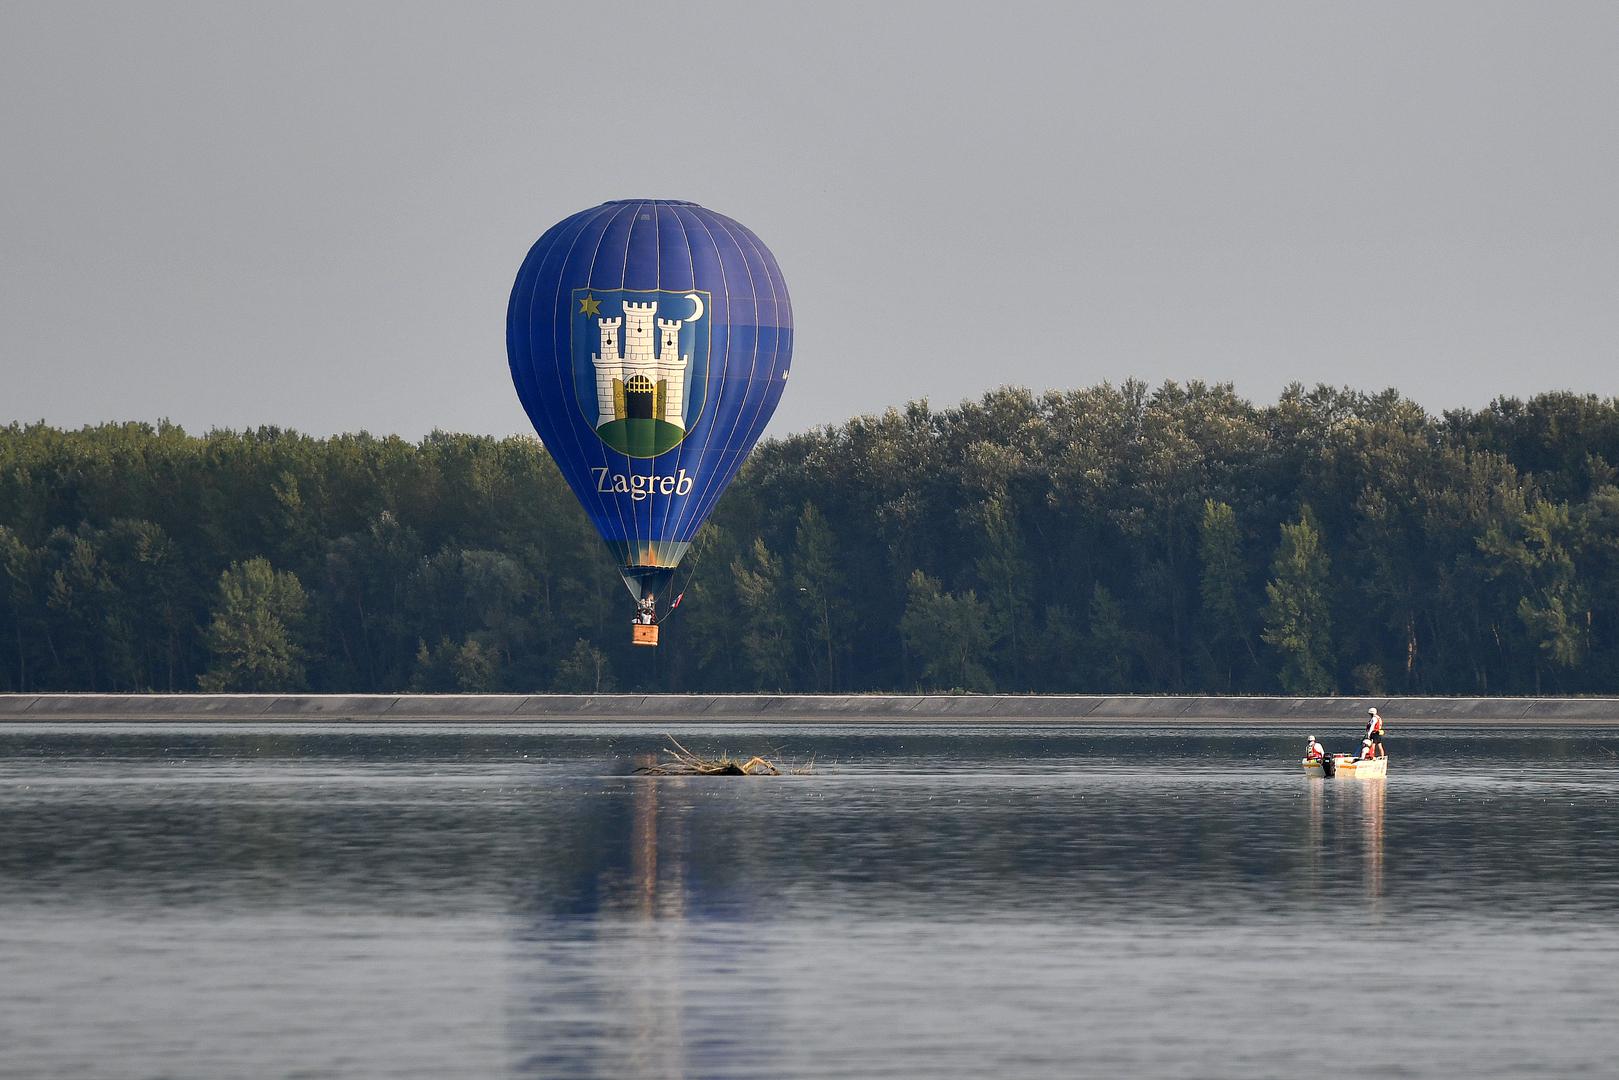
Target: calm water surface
x=432, y=901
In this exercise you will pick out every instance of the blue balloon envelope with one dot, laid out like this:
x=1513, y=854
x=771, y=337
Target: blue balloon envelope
x=649, y=341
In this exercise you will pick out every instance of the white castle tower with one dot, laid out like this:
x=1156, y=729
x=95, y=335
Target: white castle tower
x=638, y=382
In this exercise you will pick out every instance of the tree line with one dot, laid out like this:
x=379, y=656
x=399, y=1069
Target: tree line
x=1108, y=539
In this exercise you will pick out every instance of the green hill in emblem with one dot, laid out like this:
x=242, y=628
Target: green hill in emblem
x=641, y=437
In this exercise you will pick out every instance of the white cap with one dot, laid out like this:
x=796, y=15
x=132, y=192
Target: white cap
x=1371, y=712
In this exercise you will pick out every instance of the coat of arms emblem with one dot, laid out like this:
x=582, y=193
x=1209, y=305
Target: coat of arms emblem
x=640, y=362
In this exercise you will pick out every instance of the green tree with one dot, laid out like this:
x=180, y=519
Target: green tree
x=1108, y=646
x=474, y=667
x=1002, y=568
x=1226, y=607
x=365, y=602
x=21, y=621
x=1298, y=624
x=1058, y=652
x=148, y=615
x=432, y=673
x=455, y=667
x=948, y=634
x=765, y=638
x=1599, y=574
x=818, y=578
x=79, y=598
x=1534, y=550
x=704, y=638
x=479, y=601
x=253, y=636
x=585, y=670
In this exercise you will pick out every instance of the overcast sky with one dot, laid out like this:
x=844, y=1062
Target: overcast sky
x=310, y=214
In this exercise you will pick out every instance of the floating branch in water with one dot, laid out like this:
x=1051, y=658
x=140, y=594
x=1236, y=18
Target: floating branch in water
x=682, y=762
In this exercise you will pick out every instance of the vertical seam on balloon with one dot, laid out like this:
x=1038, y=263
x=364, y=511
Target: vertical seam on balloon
x=534, y=292
x=666, y=501
x=567, y=387
x=523, y=372
x=729, y=470
x=755, y=429
x=626, y=529
x=629, y=462
x=526, y=280
x=766, y=260
x=657, y=282
x=693, y=509
x=712, y=408
x=680, y=451
x=721, y=479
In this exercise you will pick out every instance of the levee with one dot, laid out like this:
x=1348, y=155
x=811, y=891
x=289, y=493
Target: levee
x=822, y=708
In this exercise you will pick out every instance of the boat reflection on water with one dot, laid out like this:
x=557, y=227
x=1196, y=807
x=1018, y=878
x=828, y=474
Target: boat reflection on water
x=1315, y=838
x=1370, y=793
x=1357, y=819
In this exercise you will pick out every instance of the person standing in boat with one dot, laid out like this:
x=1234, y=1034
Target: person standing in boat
x=1374, y=733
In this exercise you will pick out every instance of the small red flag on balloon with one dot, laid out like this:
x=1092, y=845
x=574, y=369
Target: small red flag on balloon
x=678, y=599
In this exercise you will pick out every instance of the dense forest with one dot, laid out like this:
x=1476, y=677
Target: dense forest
x=1117, y=538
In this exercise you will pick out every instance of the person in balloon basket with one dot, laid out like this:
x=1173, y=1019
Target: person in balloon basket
x=646, y=609
x=1374, y=733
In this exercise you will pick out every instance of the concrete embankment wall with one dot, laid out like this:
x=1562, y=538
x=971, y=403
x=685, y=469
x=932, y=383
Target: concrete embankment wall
x=754, y=708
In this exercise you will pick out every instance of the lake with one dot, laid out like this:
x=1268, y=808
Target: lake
x=930, y=901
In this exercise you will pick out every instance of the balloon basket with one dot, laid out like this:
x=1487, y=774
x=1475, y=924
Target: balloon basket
x=642, y=634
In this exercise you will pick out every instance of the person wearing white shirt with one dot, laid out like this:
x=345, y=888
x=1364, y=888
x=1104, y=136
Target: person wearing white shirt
x=1374, y=733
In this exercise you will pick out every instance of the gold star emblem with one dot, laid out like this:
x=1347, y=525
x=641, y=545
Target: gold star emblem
x=590, y=305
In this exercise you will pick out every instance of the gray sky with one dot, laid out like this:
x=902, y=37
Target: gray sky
x=310, y=214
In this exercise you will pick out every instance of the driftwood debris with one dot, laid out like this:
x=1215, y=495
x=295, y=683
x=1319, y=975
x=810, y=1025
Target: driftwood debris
x=682, y=762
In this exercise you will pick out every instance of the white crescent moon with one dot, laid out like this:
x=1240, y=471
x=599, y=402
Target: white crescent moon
x=697, y=302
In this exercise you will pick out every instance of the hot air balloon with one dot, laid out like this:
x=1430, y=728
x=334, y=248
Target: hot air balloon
x=649, y=342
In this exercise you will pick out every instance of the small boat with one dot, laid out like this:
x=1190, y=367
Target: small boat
x=1349, y=767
